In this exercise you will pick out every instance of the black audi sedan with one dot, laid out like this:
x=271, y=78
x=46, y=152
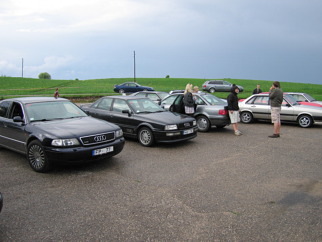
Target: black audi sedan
x=46, y=130
x=143, y=119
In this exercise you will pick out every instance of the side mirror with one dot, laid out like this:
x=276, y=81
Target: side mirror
x=17, y=119
x=129, y=113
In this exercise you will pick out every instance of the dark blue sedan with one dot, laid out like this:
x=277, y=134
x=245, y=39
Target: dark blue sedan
x=131, y=87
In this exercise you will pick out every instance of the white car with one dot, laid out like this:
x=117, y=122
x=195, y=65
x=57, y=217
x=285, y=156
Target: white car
x=258, y=107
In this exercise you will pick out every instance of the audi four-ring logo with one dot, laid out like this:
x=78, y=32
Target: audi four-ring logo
x=100, y=138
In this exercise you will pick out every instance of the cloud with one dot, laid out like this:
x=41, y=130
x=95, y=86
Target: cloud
x=96, y=39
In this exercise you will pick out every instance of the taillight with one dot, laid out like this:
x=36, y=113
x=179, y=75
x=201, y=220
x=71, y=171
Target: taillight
x=223, y=112
x=204, y=85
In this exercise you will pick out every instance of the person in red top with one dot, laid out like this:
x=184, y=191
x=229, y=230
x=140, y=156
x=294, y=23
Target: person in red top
x=56, y=94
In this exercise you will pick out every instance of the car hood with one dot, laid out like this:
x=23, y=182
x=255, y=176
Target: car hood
x=165, y=117
x=74, y=127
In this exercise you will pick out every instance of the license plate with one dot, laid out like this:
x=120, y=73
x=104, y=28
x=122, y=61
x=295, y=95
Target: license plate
x=102, y=151
x=188, y=131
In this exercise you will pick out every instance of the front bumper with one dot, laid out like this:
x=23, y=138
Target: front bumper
x=173, y=136
x=83, y=153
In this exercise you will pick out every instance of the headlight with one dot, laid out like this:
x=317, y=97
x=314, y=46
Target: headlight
x=64, y=142
x=118, y=133
x=171, y=127
x=194, y=123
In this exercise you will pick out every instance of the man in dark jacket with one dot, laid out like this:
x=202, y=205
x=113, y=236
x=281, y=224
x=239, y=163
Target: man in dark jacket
x=233, y=109
x=276, y=99
x=257, y=90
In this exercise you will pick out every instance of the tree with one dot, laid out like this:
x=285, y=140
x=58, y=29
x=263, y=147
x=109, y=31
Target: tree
x=44, y=75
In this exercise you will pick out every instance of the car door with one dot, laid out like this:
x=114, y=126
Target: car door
x=177, y=105
x=4, y=107
x=260, y=107
x=122, y=115
x=13, y=132
x=287, y=112
x=102, y=109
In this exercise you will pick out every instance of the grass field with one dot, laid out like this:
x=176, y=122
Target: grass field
x=17, y=86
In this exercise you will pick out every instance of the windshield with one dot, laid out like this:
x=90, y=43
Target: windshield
x=309, y=97
x=213, y=100
x=144, y=105
x=44, y=111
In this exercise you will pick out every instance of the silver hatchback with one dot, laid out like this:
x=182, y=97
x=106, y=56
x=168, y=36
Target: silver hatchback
x=258, y=107
x=210, y=110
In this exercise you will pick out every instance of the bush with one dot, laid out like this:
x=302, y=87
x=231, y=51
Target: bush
x=44, y=75
x=167, y=76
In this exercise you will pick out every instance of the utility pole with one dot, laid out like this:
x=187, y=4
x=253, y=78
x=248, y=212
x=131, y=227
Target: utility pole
x=22, y=68
x=134, y=68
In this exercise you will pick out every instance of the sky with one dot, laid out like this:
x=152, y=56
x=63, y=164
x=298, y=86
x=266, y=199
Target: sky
x=277, y=40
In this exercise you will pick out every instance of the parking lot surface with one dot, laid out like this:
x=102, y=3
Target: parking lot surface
x=216, y=187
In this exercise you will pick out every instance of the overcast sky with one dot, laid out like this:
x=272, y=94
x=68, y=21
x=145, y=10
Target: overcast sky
x=93, y=39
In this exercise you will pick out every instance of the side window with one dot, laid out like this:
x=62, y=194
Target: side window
x=198, y=100
x=105, y=104
x=300, y=98
x=284, y=103
x=169, y=100
x=4, y=108
x=120, y=105
x=251, y=101
x=153, y=96
x=261, y=100
x=212, y=82
x=16, y=110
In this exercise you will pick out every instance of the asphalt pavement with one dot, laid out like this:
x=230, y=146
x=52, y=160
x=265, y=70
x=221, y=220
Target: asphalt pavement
x=216, y=187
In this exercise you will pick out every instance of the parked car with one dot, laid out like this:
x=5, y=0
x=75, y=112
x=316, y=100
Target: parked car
x=210, y=110
x=1, y=202
x=155, y=96
x=258, y=107
x=47, y=130
x=143, y=119
x=219, y=86
x=305, y=98
x=127, y=87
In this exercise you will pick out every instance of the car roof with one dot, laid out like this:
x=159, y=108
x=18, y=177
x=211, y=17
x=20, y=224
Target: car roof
x=150, y=92
x=36, y=99
x=126, y=97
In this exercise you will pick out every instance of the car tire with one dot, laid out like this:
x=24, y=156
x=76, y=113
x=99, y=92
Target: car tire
x=246, y=117
x=203, y=123
x=37, y=157
x=305, y=121
x=121, y=91
x=145, y=136
x=212, y=90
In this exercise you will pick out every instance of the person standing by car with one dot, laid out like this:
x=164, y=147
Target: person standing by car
x=257, y=90
x=188, y=102
x=233, y=109
x=276, y=99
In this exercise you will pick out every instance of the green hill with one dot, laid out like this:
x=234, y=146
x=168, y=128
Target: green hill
x=17, y=86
